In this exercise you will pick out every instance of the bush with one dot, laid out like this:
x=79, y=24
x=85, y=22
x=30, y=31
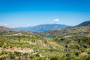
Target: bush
x=77, y=54
x=32, y=56
x=68, y=54
x=41, y=58
x=37, y=55
x=12, y=56
x=3, y=52
x=10, y=46
x=17, y=53
x=55, y=58
x=25, y=54
x=88, y=58
x=72, y=58
x=5, y=46
x=3, y=58
x=88, y=52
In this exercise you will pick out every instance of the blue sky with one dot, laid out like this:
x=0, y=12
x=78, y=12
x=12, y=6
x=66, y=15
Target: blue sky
x=24, y=13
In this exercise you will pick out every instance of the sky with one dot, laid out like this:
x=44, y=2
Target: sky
x=25, y=13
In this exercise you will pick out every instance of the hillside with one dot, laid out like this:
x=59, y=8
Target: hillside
x=85, y=30
x=86, y=23
x=81, y=29
x=44, y=27
x=26, y=44
x=6, y=28
x=30, y=46
x=72, y=43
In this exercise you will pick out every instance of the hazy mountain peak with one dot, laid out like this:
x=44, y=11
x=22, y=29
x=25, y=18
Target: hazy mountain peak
x=44, y=27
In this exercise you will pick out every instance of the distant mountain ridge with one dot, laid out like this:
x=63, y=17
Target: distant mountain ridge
x=43, y=27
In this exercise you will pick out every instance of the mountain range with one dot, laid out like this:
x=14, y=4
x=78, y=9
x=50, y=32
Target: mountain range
x=43, y=27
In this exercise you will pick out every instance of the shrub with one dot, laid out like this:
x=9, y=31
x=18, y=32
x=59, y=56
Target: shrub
x=84, y=46
x=10, y=46
x=3, y=58
x=88, y=58
x=3, y=52
x=32, y=56
x=37, y=55
x=72, y=58
x=17, y=53
x=77, y=54
x=25, y=54
x=55, y=58
x=5, y=46
x=88, y=52
x=41, y=58
x=12, y=56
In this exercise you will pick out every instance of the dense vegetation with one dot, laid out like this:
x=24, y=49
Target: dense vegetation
x=66, y=44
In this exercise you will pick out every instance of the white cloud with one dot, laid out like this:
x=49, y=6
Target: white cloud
x=2, y=24
x=56, y=20
x=6, y=24
x=28, y=24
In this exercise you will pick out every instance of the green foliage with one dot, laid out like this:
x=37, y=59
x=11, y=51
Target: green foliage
x=25, y=54
x=55, y=57
x=12, y=56
x=3, y=53
x=77, y=52
x=1, y=44
x=57, y=40
x=87, y=57
x=17, y=53
x=88, y=52
x=37, y=55
x=41, y=58
x=3, y=58
x=32, y=56
x=72, y=46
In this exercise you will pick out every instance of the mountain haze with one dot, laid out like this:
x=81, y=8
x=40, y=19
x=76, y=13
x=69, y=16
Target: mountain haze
x=43, y=27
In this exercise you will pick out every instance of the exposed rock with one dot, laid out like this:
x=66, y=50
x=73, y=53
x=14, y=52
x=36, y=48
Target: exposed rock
x=40, y=43
x=25, y=50
x=5, y=43
x=41, y=55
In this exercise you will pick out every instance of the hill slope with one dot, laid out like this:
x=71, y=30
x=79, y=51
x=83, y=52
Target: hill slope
x=86, y=23
x=6, y=28
x=81, y=29
x=17, y=45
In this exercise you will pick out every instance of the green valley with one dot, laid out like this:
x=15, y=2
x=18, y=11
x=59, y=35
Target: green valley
x=72, y=43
